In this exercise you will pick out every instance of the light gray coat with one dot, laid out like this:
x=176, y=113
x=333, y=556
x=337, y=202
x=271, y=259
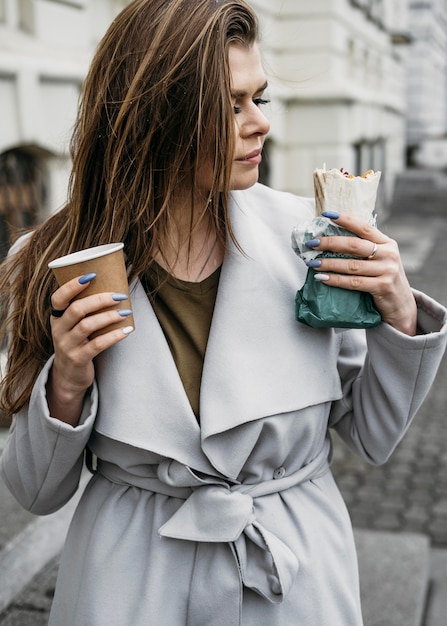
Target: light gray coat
x=238, y=520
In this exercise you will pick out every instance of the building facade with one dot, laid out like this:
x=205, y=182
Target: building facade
x=338, y=88
x=427, y=85
x=45, y=48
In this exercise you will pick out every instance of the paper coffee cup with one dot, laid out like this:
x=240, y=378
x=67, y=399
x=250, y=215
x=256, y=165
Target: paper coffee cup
x=107, y=262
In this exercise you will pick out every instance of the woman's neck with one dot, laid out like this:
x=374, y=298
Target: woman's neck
x=192, y=253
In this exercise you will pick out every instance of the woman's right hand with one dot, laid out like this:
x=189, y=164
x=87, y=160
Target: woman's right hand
x=73, y=370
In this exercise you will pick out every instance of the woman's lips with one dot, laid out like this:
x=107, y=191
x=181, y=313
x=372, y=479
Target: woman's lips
x=253, y=158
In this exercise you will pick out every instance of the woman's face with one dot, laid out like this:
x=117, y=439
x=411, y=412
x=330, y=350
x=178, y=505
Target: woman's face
x=248, y=84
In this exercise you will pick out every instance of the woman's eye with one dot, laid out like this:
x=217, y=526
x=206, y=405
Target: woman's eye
x=260, y=101
x=257, y=101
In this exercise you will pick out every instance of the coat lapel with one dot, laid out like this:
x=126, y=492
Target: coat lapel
x=260, y=361
x=142, y=400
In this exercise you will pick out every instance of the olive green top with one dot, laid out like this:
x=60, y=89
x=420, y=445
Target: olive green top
x=184, y=310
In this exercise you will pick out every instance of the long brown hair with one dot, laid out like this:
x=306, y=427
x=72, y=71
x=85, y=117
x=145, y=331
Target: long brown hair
x=156, y=97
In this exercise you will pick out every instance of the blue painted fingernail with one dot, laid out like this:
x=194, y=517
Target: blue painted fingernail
x=332, y=215
x=313, y=263
x=321, y=277
x=87, y=278
x=124, y=312
x=118, y=297
x=312, y=243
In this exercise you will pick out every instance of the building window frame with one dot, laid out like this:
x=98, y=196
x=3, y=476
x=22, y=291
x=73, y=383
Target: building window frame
x=372, y=9
x=75, y=4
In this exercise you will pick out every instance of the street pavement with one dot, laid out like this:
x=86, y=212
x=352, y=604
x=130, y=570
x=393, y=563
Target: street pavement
x=399, y=510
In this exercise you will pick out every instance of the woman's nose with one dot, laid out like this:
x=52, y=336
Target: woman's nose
x=256, y=122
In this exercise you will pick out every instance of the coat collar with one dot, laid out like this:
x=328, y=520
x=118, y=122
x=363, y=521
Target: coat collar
x=259, y=360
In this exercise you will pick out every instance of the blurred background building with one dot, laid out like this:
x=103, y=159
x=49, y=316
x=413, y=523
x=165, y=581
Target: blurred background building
x=45, y=49
x=427, y=85
x=341, y=85
x=357, y=84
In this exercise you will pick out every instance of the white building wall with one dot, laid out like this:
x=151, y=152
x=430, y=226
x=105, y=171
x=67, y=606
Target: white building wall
x=338, y=88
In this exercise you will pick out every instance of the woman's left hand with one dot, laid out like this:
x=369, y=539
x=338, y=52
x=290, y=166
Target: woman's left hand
x=375, y=267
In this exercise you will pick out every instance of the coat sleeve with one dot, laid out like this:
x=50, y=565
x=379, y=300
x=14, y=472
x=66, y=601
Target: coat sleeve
x=43, y=458
x=384, y=387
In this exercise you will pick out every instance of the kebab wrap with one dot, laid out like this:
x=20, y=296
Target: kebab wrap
x=337, y=190
x=316, y=304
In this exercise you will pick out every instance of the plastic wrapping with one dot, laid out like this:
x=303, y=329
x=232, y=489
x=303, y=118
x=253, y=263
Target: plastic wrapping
x=316, y=304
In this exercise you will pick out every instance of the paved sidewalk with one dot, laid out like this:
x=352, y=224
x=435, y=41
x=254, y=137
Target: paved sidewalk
x=399, y=510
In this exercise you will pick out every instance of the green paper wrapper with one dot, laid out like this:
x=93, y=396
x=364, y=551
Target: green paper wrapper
x=316, y=304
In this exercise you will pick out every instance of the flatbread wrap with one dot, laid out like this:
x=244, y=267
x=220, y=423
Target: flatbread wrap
x=337, y=190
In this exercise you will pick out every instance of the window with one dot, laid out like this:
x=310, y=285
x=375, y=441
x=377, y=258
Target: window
x=21, y=194
x=78, y=4
x=371, y=155
x=264, y=168
x=27, y=16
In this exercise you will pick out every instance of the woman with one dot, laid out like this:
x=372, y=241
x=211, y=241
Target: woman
x=212, y=501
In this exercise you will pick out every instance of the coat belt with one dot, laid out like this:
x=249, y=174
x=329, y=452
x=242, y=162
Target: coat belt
x=220, y=512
